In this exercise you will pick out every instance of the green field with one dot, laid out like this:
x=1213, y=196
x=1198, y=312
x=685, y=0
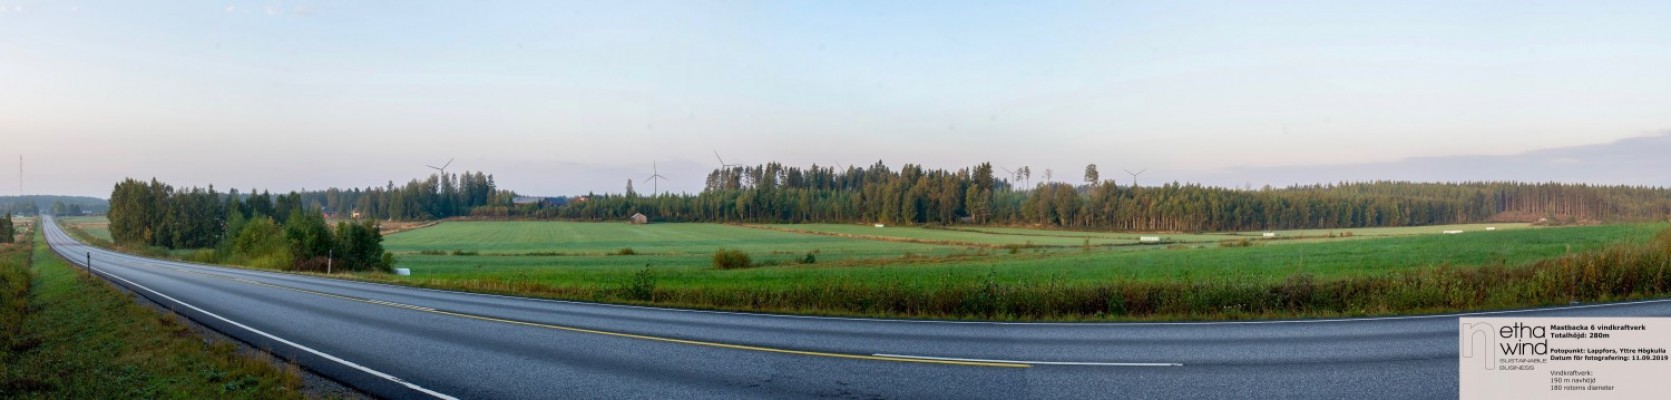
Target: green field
x=1116, y=237
x=98, y=226
x=680, y=254
x=904, y=273
x=1011, y=273
x=958, y=236
x=596, y=239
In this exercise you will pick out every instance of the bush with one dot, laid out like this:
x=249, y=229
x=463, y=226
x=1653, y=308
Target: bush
x=642, y=287
x=809, y=259
x=316, y=264
x=466, y=253
x=1237, y=243
x=731, y=259
x=626, y=251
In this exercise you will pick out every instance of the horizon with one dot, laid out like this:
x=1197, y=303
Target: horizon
x=569, y=98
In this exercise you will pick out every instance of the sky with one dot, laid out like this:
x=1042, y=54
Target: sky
x=556, y=97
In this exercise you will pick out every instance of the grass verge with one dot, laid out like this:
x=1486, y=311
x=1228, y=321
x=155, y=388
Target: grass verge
x=71, y=335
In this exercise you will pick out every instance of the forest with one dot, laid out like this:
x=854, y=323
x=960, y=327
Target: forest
x=910, y=195
x=258, y=230
x=773, y=193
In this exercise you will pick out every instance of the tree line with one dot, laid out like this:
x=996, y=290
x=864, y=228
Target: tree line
x=259, y=230
x=773, y=193
x=437, y=196
x=8, y=231
x=912, y=194
x=35, y=204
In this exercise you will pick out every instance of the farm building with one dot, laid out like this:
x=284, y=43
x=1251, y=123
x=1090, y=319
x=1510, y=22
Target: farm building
x=638, y=219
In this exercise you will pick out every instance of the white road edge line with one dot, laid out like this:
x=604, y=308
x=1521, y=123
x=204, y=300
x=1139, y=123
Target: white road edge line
x=1075, y=363
x=350, y=364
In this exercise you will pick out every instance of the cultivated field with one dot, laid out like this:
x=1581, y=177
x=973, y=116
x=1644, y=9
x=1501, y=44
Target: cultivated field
x=571, y=253
x=98, y=226
x=1011, y=273
x=959, y=237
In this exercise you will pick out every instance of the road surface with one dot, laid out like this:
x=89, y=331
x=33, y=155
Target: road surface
x=401, y=342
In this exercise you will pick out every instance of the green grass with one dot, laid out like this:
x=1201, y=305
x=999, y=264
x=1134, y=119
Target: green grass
x=1396, y=231
x=959, y=236
x=81, y=338
x=1327, y=259
x=1217, y=236
x=881, y=280
x=588, y=238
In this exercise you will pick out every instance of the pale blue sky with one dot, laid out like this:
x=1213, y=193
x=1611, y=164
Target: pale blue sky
x=560, y=97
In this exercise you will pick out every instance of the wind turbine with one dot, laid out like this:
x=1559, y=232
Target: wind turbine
x=656, y=178
x=443, y=167
x=1013, y=174
x=722, y=163
x=1134, y=176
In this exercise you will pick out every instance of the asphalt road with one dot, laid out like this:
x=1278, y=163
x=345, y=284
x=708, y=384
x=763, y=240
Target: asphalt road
x=401, y=342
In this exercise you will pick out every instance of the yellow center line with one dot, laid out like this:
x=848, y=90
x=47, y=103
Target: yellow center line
x=619, y=334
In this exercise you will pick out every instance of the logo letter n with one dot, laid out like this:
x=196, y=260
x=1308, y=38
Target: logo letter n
x=1478, y=340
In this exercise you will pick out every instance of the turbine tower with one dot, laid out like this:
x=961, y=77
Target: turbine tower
x=656, y=178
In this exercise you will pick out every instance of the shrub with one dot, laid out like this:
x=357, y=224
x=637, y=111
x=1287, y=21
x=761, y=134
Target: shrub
x=466, y=253
x=731, y=259
x=1237, y=243
x=809, y=259
x=315, y=264
x=642, y=287
x=625, y=251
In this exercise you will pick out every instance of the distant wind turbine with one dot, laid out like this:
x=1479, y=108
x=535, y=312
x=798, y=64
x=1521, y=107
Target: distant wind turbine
x=1012, y=174
x=722, y=163
x=655, y=179
x=1134, y=176
x=443, y=167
